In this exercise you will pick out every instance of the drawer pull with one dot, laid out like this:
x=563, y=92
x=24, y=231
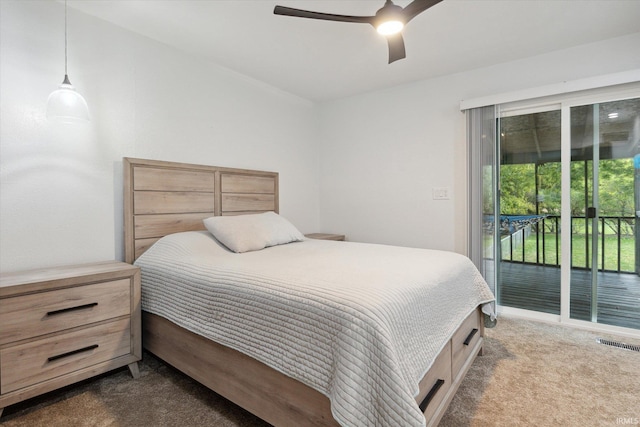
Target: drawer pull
x=64, y=310
x=470, y=336
x=430, y=395
x=71, y=353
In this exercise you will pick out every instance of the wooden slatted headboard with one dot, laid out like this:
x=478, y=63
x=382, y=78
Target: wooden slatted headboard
x=161, y=198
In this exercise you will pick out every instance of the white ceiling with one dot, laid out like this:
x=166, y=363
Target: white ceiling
x=321, y=60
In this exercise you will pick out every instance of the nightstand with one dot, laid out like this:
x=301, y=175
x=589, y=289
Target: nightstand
x=65, y=324
x=325, y=236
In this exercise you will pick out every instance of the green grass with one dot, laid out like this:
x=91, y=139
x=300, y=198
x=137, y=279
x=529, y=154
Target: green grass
x=627, y=251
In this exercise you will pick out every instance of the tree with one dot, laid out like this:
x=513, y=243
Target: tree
x=517, y=189
x=615, y=191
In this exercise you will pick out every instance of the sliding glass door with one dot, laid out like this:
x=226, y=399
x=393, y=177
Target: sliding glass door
x=605, y=140
x=569, y=197
x=530, y=207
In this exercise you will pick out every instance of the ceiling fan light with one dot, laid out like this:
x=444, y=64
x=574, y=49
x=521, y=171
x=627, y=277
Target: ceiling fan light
x=389, y=28
x=389, y=20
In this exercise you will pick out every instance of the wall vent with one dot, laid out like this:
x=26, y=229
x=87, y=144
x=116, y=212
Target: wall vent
x=618, y=344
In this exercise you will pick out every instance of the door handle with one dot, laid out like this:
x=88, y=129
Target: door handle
x=591, y=212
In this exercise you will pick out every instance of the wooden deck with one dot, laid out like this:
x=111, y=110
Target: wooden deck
x=535, y=287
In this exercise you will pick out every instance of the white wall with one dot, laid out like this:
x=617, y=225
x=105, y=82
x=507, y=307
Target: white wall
x=383, y=152
x=364, y=166
x=61, y=185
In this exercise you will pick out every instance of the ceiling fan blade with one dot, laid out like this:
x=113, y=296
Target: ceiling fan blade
x=289, y=11
x=416, y=7
x=396, y=47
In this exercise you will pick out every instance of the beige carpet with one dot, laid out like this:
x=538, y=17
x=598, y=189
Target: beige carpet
x=532, y=374
x=536, y=374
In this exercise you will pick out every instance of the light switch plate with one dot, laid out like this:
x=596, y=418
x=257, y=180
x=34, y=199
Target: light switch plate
x=440, y=193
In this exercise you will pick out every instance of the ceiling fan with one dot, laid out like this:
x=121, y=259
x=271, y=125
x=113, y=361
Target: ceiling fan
x=388, y=20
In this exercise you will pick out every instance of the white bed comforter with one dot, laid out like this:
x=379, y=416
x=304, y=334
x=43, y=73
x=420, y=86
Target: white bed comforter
x=360, y=323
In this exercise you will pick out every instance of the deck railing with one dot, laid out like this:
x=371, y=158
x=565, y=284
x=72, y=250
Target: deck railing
x=545, y=249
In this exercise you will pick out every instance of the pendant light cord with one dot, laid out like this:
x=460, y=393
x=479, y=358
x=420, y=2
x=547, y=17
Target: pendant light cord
x=65, y=37
x=66, y=75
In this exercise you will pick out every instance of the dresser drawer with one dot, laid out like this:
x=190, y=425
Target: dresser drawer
x=31, y=363
x=435, y=385
x=32, y=315
x=464, y=341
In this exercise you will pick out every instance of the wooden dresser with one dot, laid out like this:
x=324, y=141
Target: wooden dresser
x=65, y=324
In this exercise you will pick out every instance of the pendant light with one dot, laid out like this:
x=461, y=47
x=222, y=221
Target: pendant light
x=65, y=104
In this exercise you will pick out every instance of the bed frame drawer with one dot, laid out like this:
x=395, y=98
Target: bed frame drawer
x=28, y=316
x=60, y=354
x=435, y=385
x=465, y=341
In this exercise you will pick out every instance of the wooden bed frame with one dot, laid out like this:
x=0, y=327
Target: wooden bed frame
x=161, y=198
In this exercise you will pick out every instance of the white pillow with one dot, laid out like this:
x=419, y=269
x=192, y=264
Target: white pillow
x=243, y=233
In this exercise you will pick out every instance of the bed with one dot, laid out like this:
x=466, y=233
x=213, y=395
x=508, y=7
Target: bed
x=345, y=359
